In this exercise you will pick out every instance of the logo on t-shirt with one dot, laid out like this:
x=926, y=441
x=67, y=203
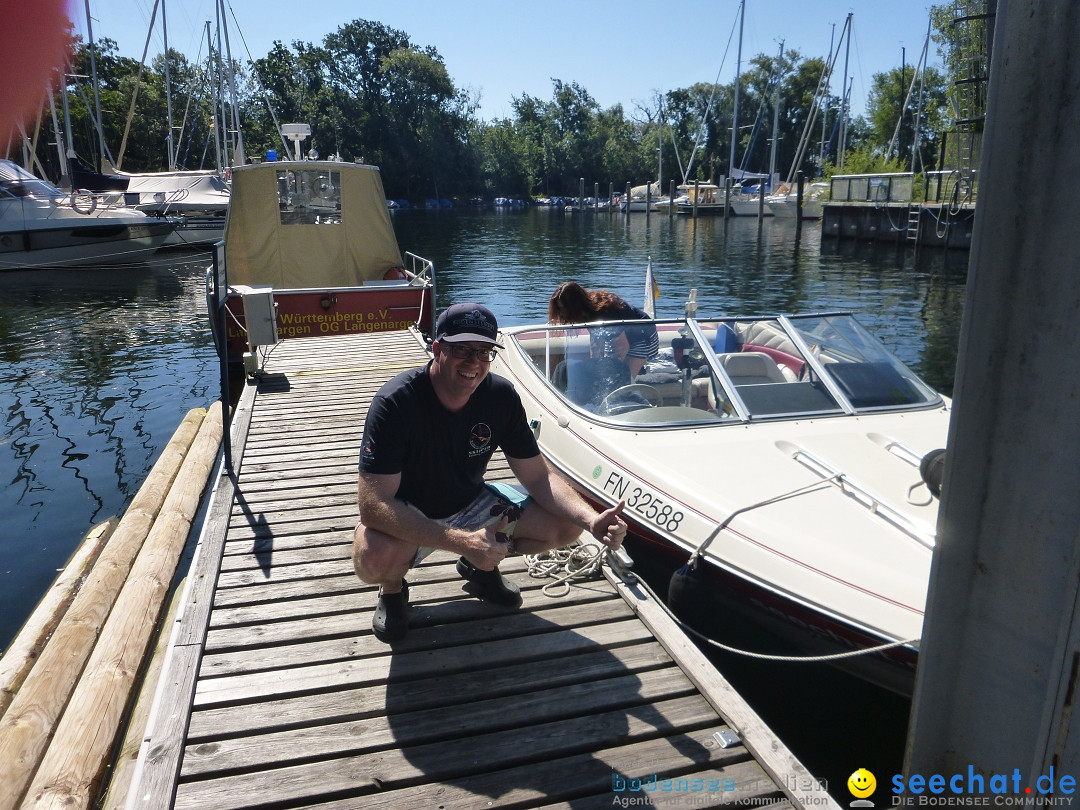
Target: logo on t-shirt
x=479, y=438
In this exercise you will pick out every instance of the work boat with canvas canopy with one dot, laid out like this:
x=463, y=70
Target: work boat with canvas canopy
x=778, y=459
x=310, y=251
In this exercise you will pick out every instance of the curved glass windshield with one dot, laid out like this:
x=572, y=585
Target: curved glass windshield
x=723, y=370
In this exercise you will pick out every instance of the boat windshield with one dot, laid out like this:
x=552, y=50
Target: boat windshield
x=15, y=181
x=723, y=370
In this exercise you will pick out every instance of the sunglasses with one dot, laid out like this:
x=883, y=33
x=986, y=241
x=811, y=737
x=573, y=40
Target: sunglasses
x=468, y=353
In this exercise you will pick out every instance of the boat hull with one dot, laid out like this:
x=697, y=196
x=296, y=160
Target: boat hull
x=808, y=522
x=196, y=231
x=97, y=242
x=722, y=605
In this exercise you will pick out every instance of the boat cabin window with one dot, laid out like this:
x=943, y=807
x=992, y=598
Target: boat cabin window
x=309, y=196
x=15, y=181
x=724, y=370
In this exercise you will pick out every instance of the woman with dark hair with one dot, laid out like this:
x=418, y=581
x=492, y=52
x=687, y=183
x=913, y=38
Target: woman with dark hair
x=572, y=303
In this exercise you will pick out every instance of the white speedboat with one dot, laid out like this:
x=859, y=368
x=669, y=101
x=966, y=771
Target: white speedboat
x=310, y=251
x=41, y=226
x=779, y=455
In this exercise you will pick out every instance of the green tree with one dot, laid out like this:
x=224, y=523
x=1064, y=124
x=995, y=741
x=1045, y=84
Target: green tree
x=903, y=96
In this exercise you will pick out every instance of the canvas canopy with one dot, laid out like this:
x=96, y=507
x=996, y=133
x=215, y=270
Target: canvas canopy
x=295, y=225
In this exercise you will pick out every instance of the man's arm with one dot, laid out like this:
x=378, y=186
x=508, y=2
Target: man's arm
x=381, y=511
x=554, y=494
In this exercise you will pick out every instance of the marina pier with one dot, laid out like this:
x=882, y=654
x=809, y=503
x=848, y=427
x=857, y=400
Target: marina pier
x=268, y=688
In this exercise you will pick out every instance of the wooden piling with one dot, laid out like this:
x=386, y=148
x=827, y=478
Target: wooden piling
x=34, y=711
x=74, y=764
x=798, y=200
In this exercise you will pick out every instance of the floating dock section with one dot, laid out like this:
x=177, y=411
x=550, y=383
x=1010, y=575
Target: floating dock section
x=273, y=692
x=915, y=224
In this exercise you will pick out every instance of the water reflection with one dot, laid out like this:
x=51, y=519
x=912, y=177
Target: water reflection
x=97, y=368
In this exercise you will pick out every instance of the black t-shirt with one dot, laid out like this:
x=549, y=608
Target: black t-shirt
x=442, y=456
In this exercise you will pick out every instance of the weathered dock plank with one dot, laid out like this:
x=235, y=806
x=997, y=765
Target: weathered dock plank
x=278, y=695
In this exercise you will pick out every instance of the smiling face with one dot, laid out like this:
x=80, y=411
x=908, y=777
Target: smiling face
x=455, y=379
x=861, y=783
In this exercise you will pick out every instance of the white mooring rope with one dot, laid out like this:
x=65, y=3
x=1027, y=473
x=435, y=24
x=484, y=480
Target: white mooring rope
x=582, y=562
x=564, y=564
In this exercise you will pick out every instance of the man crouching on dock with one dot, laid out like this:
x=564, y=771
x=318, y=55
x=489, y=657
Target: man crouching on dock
x=428, y=437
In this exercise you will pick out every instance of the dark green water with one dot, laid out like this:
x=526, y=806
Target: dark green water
x=98, y=367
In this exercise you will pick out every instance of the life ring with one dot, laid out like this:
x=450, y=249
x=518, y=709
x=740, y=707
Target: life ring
x=83, y=208
x=395, y=274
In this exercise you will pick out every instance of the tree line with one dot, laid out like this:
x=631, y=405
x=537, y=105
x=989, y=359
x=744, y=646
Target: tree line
x=371, y=94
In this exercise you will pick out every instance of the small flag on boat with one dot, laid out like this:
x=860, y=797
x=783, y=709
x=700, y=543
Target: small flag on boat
x=652, y=291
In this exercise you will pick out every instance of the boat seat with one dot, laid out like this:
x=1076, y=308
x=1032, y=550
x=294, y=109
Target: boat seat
x=751, y=368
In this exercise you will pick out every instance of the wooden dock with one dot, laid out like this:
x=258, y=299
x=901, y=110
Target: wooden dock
x=274, y=692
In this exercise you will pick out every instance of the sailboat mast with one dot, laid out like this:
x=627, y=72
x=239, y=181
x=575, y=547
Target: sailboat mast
x=214, y=106
x=660, y=150
x=61, y=137
x=735, y=109
x=97, y=95
x=776, y=116
x=238, y=149
x=168, y=90
x=845, y=91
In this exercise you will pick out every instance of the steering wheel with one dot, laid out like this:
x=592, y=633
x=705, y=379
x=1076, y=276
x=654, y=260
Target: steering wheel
x=620, y=400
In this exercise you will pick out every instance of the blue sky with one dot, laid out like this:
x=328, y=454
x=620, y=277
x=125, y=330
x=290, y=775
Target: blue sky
x=620, y=51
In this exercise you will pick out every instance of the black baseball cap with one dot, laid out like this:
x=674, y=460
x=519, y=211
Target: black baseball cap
x=466, y=323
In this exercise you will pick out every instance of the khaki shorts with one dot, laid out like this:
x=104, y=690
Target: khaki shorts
x=494, y=502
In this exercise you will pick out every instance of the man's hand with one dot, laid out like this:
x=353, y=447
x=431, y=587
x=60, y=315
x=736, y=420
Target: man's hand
x=485, y=550
x=608, y=527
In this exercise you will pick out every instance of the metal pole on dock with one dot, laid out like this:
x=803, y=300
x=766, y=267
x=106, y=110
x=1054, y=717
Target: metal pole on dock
x=1000, y=648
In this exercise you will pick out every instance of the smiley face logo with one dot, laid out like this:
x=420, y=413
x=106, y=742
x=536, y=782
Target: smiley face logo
x=861, y=783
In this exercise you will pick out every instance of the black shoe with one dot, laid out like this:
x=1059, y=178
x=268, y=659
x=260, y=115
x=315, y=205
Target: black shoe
x=391, y=619
x=491, y=585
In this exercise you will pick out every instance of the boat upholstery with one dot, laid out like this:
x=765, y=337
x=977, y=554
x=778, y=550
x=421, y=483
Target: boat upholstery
x=751, y=368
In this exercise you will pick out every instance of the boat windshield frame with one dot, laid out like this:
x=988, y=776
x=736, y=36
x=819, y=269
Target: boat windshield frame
x=728, y=370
